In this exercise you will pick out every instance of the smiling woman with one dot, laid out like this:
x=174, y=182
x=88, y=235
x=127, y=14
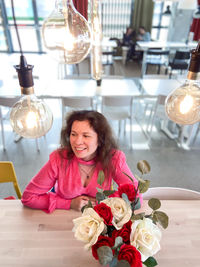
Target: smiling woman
x=87, y=149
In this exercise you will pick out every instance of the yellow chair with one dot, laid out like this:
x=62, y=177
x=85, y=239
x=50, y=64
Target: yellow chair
x=8, y=175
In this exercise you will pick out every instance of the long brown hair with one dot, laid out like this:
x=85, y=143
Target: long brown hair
x=106, y=141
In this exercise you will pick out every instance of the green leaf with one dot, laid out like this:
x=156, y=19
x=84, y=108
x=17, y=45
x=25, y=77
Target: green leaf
x=125, y=198
x=143, y=166
x=150, y=262
x=162, y=218
x=100, y=190
x=138, y=216
x=138, y=204
x=123, y=263
x=113, y=262
x=108, y=192
x=101, y=177
x=118, y=242
x=105, y=255
x=88, y=205
x=154, y=203
x=143, y=186
x=100, y=196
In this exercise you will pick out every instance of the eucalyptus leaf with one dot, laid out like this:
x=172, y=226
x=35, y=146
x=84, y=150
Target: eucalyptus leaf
x=100, y=190
x=101, y=177
x=108, y=192
x=125, y=198
x=113, y=262
x=137, y=205
x=139, y=178
x=150, y=262
x=162, y=218
x=143, y=166
x=138, y=216
x=144, y=186
x=123, y=263
x=154, y=203
x=100, y=196
x=105, y=255
x=118, y=242
x=88, y=205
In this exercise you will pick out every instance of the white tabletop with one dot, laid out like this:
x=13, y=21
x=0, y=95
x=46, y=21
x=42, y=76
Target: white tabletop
x=158, y=44
x=75, y=87
x=155, y=87
x=34, y=238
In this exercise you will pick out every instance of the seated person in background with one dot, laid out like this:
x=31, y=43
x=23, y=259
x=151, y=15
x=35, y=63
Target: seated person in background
x=143, y=35
x=87, y=146
x=129, y=41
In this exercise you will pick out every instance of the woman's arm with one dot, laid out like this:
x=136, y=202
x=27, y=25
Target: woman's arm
x=37, y=195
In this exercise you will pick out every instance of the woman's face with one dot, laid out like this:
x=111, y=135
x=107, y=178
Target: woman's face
x=83, y=140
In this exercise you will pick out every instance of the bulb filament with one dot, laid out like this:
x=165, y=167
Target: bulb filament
x=186, y=104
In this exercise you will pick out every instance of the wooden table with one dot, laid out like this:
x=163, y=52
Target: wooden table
x=30, y=238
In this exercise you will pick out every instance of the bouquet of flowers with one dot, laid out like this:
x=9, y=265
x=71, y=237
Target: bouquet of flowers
x=118, y=235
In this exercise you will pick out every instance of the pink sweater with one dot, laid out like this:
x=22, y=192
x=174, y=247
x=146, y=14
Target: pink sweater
x=68, y=182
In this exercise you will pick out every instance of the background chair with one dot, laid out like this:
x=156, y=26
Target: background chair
x=7, y=175
x=76, y=103
x=171, y=193
x=7, y=103
x=157, y=57
x=119, y=108
x=179, y=62
x=159, y=111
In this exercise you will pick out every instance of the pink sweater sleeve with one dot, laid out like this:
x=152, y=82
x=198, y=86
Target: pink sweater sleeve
x=37, y=195
x=121, y=167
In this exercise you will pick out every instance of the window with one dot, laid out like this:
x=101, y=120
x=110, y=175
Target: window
x=161, y=20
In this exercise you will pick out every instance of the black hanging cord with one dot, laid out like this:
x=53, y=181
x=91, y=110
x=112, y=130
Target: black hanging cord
x=16, y=29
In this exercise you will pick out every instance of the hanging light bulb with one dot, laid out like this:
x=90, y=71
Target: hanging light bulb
x=183, y=104
x=66, y=33
x=30, y=117
x=96, y=54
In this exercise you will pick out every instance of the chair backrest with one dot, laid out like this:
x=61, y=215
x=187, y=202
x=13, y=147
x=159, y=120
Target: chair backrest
x=8, y=101
x=8, y=175
x=84, y=102
x=157, y=52
x=171, y=193
x=182, y=55
x=116, y=101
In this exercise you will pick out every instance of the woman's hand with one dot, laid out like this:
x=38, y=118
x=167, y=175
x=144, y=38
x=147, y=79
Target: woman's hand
x=79, y=202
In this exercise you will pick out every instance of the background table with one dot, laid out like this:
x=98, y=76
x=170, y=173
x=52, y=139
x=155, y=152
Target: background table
x=33, y=238
x=74, y=87
x=144, y=46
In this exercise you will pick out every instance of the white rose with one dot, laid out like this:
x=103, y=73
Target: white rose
x=145, y=236
x=88, y=227
x=121, y=211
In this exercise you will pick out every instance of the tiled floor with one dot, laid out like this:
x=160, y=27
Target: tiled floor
x=171, y=165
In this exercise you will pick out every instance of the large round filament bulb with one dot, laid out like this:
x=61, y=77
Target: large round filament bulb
x=30, y=117
x=183, y=104
x=66, y=33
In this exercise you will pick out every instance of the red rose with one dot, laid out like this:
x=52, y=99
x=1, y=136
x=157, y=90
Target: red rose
x=105, y=212
x=124, y=232
x=102, y=241
x=130, y=254
x=129, y=190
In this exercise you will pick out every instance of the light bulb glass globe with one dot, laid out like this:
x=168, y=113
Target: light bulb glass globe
x=66, y=33
x=183, y=104
x=30, y=117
